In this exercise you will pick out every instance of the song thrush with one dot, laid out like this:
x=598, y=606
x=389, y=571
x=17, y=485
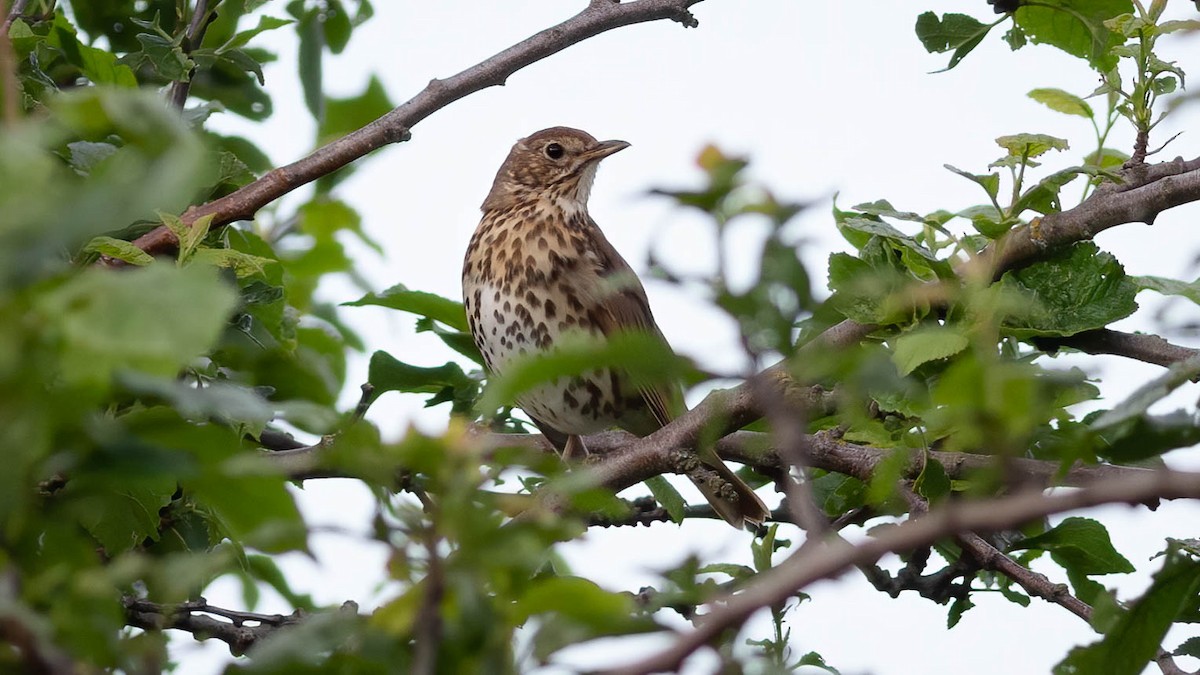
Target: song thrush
x=538, y=268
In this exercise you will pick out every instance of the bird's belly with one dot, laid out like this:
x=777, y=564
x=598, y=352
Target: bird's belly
x=507, y=328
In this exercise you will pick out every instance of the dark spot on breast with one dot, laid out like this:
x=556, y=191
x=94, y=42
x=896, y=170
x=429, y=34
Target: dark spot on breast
x=551, y=309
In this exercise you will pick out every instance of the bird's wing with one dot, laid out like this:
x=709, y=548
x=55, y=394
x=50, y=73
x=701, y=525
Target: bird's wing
x=627, y=308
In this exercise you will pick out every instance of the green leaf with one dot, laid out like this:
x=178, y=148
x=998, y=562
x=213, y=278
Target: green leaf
x=1164, y=286
x=644, y=357
x=838, y=493
x=1028, y=146
x=312, y=44
x=1063, y=102
x=1076, y=27
x=231, y=404
x=166, y=57
x=460, y=341
x=1133, y=641
x=668, y=497
x=1072, y=290
x=932, y=483
x=1189, y=647
x=120, y=516
x=265, y=23
x=959, y=32
x=1140, y=437
x=817, y=661
x=448, y=382
x=1043, y=197
x=1081, y=545
x=922, y=345
x=957, y=609
x=242, y=264
x=1139, y=402
x=106, y=321
x=990, y=182
x=443, y=310
x=119, y=249
x=579, y=610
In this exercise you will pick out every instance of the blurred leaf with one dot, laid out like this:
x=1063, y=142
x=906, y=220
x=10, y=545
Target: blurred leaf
x=119, y=516
x=343, y=115
x=1063, y=102
x=838, y=493
x=1132, y=642
x=312, y=44
x=1177, y=375
x=265, y=23
x=916, y=347
x=106, y=321
x=225, y=402
x=667, y=497
x=119, y=249
x=642, y=356
x=932, y=483
x=1164, y=286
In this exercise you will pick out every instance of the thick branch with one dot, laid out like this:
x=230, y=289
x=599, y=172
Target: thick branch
x=395, y=126
x=834, y=557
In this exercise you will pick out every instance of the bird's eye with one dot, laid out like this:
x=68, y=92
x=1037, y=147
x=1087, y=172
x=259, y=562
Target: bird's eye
x=554, y=151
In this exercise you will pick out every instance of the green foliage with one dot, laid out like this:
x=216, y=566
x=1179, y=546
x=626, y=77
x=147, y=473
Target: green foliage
x=137, y=394
x=1132, y=640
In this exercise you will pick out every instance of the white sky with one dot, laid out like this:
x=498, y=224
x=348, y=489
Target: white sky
x=824, y=97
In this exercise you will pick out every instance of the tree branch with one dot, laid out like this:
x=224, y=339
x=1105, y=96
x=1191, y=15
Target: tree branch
x=1166, y=185
x=833, y=558
x=1137, y=346
x=178, y=92
x=193, y=617
x=395, y=126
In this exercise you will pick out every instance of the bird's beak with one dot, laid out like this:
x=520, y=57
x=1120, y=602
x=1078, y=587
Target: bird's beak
x=604, y=149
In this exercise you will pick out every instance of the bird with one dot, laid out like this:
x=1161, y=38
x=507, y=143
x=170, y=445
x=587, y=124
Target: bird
x=538, y=269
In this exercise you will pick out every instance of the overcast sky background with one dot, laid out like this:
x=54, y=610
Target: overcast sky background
x=825, y=98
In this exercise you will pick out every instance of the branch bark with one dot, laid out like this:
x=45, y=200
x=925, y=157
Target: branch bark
x=196, y=617
x=834, y=558
x=1137, y=346
x=395, y=126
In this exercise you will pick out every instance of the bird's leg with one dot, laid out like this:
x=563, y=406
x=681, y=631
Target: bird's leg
x=574, y=450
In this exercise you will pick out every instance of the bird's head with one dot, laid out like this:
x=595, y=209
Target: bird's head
x=558, y=162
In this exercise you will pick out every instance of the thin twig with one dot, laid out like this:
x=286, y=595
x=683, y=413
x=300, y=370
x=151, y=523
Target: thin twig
x=178, y=92
x=395, y=126
x=427, y=627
